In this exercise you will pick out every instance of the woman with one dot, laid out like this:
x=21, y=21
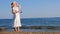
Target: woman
x=16, y=13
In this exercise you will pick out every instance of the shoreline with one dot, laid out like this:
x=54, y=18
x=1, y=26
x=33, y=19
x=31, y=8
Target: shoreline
x=29, y=32
x=33, y=29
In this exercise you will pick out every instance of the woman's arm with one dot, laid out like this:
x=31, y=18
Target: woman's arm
x=13, y=11
x=18, y=9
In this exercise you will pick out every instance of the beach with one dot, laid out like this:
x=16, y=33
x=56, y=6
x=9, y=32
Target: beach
x=30, y=16
x=31, y=25
x=29, y=32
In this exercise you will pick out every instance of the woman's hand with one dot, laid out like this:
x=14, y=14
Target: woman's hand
x=14, y=12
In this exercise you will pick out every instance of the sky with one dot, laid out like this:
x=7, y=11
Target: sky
x=31, y=8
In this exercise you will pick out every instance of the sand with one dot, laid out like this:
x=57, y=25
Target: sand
x=29, y=32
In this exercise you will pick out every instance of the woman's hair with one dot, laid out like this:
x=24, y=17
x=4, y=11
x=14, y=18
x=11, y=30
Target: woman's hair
x=11, y=5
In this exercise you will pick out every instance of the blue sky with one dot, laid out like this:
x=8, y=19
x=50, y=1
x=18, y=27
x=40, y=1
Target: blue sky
x=31, y=8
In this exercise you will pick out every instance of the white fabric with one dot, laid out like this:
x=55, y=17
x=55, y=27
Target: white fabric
x=16, y=8
x=17, y=22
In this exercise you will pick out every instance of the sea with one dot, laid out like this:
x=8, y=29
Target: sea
x=45, y=24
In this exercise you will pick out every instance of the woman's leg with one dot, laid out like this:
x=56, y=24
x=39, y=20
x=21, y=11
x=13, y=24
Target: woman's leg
x=15, y=29
x=18, y=29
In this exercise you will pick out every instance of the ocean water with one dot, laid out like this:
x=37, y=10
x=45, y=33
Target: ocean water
x=8, y=24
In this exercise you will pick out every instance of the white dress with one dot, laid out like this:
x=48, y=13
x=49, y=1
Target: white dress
x=17, y=22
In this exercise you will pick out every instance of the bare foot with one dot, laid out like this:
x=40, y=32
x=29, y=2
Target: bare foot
x=19, y=31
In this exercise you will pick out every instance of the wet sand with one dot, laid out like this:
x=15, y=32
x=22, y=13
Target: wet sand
x=29, y=32
x=46, y=32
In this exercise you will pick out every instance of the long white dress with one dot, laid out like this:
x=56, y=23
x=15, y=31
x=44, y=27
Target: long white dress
x=17, y=22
